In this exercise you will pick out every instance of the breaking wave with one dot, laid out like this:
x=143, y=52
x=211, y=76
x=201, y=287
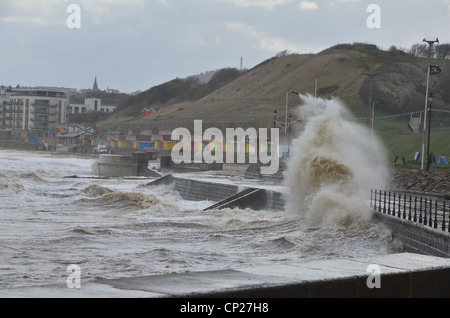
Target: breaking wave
x=335, y=163
x=8, y=182
x=16, y=187
x=37, y=175
x=96, y=190
x=113, y=199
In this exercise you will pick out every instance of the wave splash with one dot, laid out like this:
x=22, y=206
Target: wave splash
x=97, y=195
x=334, y=164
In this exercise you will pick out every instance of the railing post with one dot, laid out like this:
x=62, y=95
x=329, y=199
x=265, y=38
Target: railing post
x=443, y=217
x=379, y=202
x=435, y=214
x=410, y=203
x=420, y=211
x=430, y=221
x=393, y=205
x=404, y=207
x=389, y=204
x=415, y=209
x=425, y=218
x=384, y=205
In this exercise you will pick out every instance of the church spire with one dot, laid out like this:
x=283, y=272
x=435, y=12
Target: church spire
x=95, y=87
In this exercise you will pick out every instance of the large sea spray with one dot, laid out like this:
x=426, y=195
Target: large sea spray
x=334, y=163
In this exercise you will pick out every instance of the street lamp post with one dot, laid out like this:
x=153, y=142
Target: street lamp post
x=372, y=77
x=430, y=46
x=429, y=159
x=286, y=121
x=373, y=113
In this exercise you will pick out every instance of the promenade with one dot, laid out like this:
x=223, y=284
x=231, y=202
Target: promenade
x=396, y=275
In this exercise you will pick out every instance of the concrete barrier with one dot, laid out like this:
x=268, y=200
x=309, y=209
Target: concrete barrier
x=225, y=195
x=194, y=190
x=123, y=166
x=417, y=238
x=168, y=179
x=255, y=199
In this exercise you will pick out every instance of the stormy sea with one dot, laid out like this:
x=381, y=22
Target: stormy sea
x=120, y=227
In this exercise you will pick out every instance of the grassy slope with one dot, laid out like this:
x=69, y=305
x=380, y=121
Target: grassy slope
x=406, y=145
x=251, y=99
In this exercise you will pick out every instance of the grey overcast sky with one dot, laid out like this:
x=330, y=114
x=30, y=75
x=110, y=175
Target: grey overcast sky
x=136, y=44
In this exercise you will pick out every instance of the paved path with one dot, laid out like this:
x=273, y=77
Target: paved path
x=400, y=275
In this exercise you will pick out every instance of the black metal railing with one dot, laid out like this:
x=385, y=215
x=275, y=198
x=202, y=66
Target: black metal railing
x=426, y=210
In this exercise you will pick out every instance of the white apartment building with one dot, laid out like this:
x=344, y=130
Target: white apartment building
x=91, y=105
x=36, y=109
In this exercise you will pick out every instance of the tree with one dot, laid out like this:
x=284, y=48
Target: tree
x=443, y=51
x=420, y=50
x=282, y=54
x=393, y=48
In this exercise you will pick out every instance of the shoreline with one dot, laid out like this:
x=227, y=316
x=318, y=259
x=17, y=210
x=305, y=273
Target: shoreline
x=436, y=181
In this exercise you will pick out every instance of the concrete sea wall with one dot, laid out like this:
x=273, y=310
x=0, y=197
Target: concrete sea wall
x=194, y=190
x=260, y=199
x=418, y=238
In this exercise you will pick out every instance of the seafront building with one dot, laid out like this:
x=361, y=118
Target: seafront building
x=35, y=111
x=38, y=112
x=91, y=105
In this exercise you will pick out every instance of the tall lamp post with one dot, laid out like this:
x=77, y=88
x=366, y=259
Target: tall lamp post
x=369, y=115
x=429, y=159
x=286, y=121
x=430, y=46
x=373, y=112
